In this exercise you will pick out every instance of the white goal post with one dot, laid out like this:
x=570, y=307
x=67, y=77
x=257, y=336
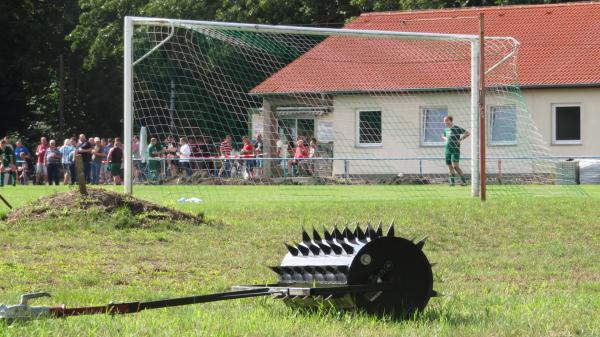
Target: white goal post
x=131, y=23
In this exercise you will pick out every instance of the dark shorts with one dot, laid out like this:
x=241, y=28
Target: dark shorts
x=452, y=157
x=114, y=169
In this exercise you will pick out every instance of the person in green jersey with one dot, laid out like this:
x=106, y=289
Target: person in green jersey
x=7, y=163
x=154, y=152
x=453, y=136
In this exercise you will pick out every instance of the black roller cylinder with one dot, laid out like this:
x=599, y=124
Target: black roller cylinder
x=395, y=266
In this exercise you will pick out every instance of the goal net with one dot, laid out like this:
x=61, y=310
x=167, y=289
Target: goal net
x=218, y=103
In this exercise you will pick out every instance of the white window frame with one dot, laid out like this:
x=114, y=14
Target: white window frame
x=423, y=113
x=491, y=127
x=566, y=142
x=357, y=129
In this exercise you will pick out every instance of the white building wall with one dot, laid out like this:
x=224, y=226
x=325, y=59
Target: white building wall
x=402, y=131
x=540, y=102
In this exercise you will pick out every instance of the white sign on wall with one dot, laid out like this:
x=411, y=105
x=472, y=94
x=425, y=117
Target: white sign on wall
x=325, y=131
x=258, y=125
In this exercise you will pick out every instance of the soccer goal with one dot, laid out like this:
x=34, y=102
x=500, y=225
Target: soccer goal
x=231, y=102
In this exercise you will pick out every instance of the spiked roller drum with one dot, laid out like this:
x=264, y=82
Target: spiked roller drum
x=376, y=273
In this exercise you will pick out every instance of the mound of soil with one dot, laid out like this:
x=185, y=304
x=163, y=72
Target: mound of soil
x=97, y=201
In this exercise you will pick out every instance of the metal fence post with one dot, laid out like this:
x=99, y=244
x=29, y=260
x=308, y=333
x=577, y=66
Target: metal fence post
x=346, y=169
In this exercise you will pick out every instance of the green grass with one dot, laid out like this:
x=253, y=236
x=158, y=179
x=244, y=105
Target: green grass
x=514, y=266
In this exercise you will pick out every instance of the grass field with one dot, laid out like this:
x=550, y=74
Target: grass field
x=514, y=266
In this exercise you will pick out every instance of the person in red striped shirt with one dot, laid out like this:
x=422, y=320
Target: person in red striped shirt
x=225, y=150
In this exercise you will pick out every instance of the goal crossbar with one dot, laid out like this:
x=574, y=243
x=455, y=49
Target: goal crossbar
x=282, y=29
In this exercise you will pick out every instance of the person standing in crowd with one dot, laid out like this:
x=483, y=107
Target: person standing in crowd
x=40, y=167
x=7, y=163
x=22, y=156
x=115, y=161
x=300, y=153
x=185, y=153
x=209, y=151
x=171, y=154
x=98, y=157
x=53, y=160
x=312, y=153
x=248, y=152
x=104, y=174
x=135, y=153
x=72, y=168
x=84, y=148
x=225, y=150
x=194, y=145
x=258, y=149
x=65, y=152
x=155, y=151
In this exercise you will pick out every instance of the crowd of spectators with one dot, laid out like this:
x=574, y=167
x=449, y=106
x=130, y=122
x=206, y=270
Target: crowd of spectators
x=53, y=163
x=102, y=159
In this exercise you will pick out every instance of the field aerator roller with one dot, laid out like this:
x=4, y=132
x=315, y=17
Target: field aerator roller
x=357, y=269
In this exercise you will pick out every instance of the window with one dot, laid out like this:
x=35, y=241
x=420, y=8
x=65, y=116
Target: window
x=503, y=125
x=292, y=128
x=369, y=128
x=566, y=124
x=433, y=126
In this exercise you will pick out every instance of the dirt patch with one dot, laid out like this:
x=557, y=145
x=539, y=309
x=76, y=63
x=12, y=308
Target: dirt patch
x=99, y=202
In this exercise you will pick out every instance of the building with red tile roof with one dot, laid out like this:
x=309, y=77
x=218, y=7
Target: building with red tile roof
x=558, y=64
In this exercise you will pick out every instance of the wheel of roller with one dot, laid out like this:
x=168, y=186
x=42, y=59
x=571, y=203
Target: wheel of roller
x=397, y=261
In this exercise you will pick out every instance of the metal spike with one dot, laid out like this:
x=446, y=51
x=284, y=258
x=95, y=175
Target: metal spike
x=320, y=270
x=277, y=270
x=379, y=230
x=325, y=248
x=356, y=229
x=314, y=248
x=369, y=232
x=335, y=247
x=347, y=248
x=305, y=236
x=298, y=273
x=315, y=274
x=348, y=233
x=316, y=236
x=291, y=249
x=337, y=234
x=303, y=249
x=326, y=234
x=433, y=264
x=390, y=232
x=421, y=243
x=360, y=235
x=329, y=275
x=434, y=293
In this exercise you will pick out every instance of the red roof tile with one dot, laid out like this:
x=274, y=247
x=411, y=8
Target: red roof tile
x=560, y=46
